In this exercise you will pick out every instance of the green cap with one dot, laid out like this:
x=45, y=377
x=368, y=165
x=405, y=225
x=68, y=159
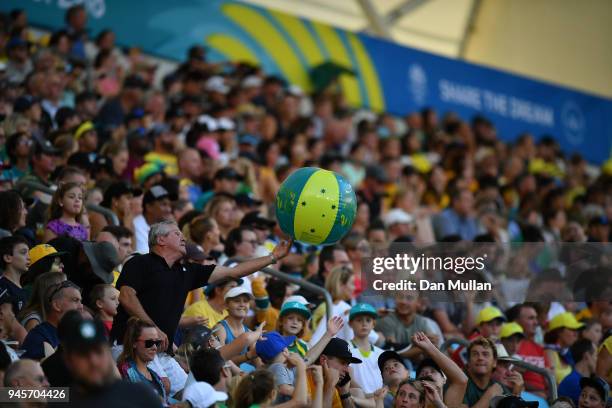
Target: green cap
x=295, y=307
x=362, y=308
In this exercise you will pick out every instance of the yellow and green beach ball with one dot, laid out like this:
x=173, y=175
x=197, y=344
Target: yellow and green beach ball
x=316, y=206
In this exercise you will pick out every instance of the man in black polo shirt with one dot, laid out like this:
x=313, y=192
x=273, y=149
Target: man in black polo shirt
x=154, y=286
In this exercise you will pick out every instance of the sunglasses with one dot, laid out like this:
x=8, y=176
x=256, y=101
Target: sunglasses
x=65, y=284
x=150, y=343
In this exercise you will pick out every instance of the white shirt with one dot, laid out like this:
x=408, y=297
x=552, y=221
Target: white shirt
x=141, y=233
x=367, y=374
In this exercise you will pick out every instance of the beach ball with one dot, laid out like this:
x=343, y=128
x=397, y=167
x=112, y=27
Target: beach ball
x=316, y=206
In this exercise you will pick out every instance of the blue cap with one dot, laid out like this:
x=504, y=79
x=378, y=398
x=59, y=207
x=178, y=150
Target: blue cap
x=295, y=307
x=273, y=345
x=362, y=309
x=248, y=139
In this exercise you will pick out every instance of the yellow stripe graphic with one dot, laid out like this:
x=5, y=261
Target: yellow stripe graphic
x=302, y=37
x=232, y=48
x=369, y=74
x=317, y=207
x=339, y=55
x=271, y=40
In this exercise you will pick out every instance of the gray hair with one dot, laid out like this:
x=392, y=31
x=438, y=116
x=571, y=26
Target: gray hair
x=160, y=229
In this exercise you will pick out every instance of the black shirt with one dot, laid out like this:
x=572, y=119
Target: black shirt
x=120, y=394
x=55, y=369
x=161, y=290
x=19, y=295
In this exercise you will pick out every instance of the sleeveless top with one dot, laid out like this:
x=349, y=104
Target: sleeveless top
x=229, y=337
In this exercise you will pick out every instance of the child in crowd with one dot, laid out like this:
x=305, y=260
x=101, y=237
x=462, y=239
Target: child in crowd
x=592, y=331
x=237, y=302
x=65, y=214
x=292, y=321
x=273, y=351
x=104, y=301
x=362, y=318
x=257, y=389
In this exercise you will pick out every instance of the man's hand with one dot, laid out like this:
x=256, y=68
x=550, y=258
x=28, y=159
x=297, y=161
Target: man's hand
x=331, y=375
x=515, y=379
x=282, y=249
x=422, y=341
x=334, y=325
x=380, y=393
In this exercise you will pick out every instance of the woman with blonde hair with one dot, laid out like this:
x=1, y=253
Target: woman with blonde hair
x=222, y=208
x=340, y=283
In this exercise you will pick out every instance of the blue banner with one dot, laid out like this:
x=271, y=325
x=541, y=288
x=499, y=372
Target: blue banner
x=388, y=77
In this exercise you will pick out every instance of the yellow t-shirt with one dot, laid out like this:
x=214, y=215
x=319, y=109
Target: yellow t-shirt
x=203, y=309
x=336, y=401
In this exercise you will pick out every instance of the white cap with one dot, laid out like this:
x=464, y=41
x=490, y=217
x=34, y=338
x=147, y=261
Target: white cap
x=502, y=354
x=226, y=124
x=211, y=123
x=299, y=299
x=295, y=91
x=202, y=395
x=216, y=84
x=237, y=291
x=397, y=216
x=252, y=81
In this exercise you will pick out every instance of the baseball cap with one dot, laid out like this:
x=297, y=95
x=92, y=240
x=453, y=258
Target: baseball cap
x=489, y=313
x=566, y=320
x=216, y=84
x=155, y=193
x=428, y=362
x=148, y=170
x=44, y=146
x=340, y=349
x=208, y=289
x=397, y=216
x=511, y=401
x=296, y=307
x=272, y=345
x=237, y=291
x=226, y=124
x=510, y=329
x=252, y=81
x=248, y=139
x=197, y=335
x=389, y=355
x=362, y=309
x=78, y=334
x=116, y=190
x=599, y=384
x=43, y=251
x=228, y=173
x=202, y=395
x=255, y=219
x=377, y=172
x=195, y=253
x=502, y=353
x=209, y=146
x=300, y=299
x=83, y=128
x=247, y=200
x=24, y=102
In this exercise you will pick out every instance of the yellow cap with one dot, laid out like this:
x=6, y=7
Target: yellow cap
x=566, y=320
x=41, y=251
x=489, y=313
x=510, y=329
x=83, y=127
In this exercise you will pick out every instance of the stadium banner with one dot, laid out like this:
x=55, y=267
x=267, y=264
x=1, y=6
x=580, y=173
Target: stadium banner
x=385, y=76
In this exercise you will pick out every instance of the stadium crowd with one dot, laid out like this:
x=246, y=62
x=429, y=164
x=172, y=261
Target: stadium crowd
x=136, y=216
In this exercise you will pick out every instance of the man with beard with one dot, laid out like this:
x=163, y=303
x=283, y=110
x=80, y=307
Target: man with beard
x=96, y=381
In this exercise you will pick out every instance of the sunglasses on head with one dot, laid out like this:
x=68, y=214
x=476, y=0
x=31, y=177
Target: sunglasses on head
x=63, y=285
x=150, y=343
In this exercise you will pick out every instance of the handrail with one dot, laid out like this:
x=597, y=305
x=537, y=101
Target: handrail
x=297, y=281
x=550, y=379
x=93, y=207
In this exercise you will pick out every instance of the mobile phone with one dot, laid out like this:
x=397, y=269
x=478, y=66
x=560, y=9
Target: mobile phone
x=344, y=381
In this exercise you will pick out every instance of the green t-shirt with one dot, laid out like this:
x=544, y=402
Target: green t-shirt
x=473, y=393
x=298, y=346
